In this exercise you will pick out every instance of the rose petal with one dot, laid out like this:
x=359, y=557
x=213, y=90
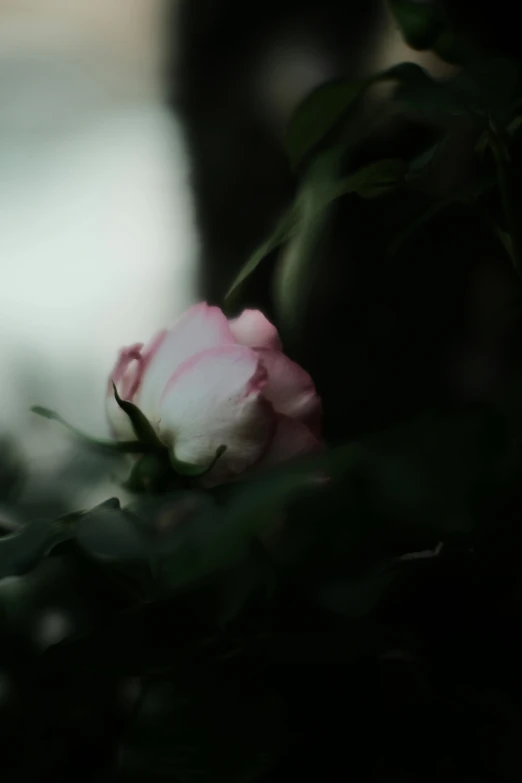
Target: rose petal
x=200, y=328
x=291, y=439
x=126, y=371
x=253, y=329
x=291, y=390
x=126, y=377
x=215, y=398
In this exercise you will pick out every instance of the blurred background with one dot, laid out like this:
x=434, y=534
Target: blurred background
x=98, y=242
x=96, y=235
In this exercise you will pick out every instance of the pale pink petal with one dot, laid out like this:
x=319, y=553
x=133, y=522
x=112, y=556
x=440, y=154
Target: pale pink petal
x=291, y=390
x=126, y=371
x=215, y=398
x=252, y=328
x=152, y=347
x=292, y=439
x=200, y=328
x=126, y=376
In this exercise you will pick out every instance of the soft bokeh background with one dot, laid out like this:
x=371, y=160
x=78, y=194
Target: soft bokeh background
x=97, y=237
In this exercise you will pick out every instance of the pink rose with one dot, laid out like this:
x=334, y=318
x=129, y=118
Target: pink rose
x=208, y=382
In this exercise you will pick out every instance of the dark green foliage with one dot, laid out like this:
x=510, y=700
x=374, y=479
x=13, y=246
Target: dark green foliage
x=353, y=616
x=213, y=636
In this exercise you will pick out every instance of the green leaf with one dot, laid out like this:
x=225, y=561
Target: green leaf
x=438, y=101
x=318, y=191
x=282, y=232
x=171, y=533
x=318, y=114
x=298, y=267
x=21, y=551
x=307, y=204
x=483, y=88
x=296, y=272
x=143, y=429
x=111, y=535
x=328, y=108
x=407, y=73
x=219, y=537
x=376, y=179
x=420, y=23
x=111, y=446
x=302, y=138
